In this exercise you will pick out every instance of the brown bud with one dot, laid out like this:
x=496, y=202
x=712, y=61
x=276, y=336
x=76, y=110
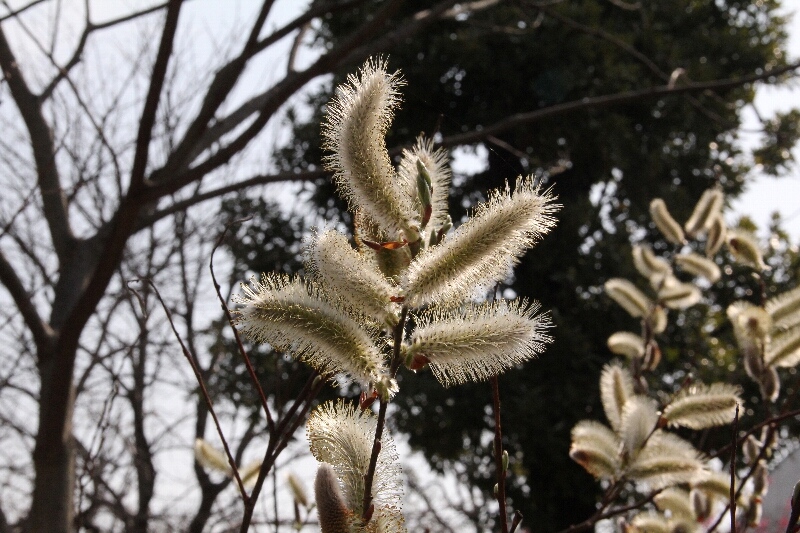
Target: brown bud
x=334, y=517
x=752, y=361
x=701, y=504
x=760, y=478
x=652, y=356
x=366, y=399
x=417, y=362
x=770, y=384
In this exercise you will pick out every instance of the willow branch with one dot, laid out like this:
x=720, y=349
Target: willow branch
x=521, y=119
x=498, y=456
x=201, y=383
x=250, y=370
x=397, y=334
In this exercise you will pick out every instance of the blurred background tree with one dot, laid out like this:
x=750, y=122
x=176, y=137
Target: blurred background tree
x=606, y=160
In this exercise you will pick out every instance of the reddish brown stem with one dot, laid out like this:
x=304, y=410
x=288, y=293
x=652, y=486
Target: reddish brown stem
x=498, y=455
x=199, y=377
x=376, y=444
x=732, y=503
x=250, y=370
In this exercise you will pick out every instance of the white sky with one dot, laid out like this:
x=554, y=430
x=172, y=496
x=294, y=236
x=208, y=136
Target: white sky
x=767, y=194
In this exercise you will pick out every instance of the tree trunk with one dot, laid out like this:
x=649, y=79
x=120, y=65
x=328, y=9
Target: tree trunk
x=54, y=460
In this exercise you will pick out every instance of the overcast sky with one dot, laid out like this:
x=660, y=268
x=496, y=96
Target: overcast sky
x=767, y=195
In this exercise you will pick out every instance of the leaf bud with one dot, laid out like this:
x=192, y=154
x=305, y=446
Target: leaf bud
x=386, y=387
x=769, y=438
x=701, y=504
x=752, y=361
x=496, y=489
x=640, y=385
x=505, y=460
x=770, y=384
x=448, y=224
x=367, y=398
x=424, y=174
x=652, y=356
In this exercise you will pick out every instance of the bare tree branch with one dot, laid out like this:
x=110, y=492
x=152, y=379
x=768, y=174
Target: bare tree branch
x=147, y=220
x=153, y=96
x=345, y=53
x=20, y=10
x=90, y=28
x=55, y=207
x=41, y=331
x=608, y=100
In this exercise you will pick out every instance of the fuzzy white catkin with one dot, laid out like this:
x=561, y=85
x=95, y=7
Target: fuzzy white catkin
x=210, y=457
x=784, y=350
x=338, y=267
x=698, y=265
x=650, y=522
x=785, y=309
x=745, y=249
x=699, y=406
x=679, y=295
x=676, y=501
x=436, y=161
x=478, y=341
x=294, y=316
x=649, y=264
x=616, y=388
x=355, y=129
x=342, y=436
x=596, y=448
x=628, y=296
x=334, y=517
x=715, y=484
x=639, y=418
x=708, y=207
x=481, y=251
x=626, y=343
x=717, y=233
x=670, y=229
x=666, y=460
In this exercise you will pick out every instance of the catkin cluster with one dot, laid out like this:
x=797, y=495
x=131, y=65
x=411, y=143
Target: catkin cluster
x=637, y=446
x=410, y=291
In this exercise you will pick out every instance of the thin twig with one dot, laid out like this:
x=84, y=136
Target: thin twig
x=755, y=428
x=284, y=432
x=589, y=522
x=732, y=503
x=498, y=456
x=250, y=370
x=200, y=382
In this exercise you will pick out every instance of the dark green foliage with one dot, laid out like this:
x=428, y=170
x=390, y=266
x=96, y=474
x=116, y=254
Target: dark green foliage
x=781, y=134
x=477, y=69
